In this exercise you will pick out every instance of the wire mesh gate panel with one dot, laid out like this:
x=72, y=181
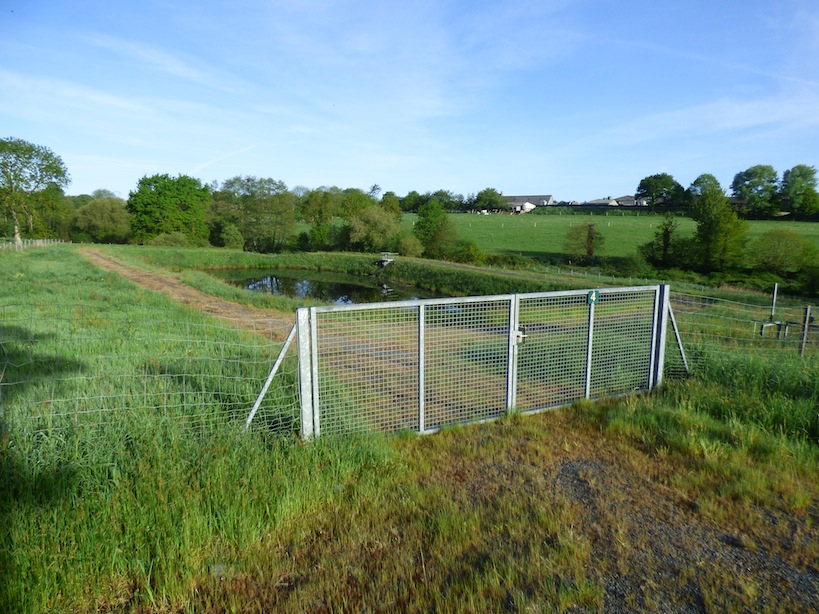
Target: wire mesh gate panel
x=423, y=365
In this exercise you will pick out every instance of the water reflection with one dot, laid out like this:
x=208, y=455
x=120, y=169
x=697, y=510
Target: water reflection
x=328, y=287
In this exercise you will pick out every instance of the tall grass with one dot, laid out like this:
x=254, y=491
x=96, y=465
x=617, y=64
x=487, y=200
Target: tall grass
x=145, y=485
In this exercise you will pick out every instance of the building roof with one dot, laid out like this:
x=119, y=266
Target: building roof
x=534, y=199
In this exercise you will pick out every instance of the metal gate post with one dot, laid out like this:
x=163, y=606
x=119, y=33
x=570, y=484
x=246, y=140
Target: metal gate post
x=661, y=307
x=305, y=372
x=512, y=356
x=421, y=370
x=315, y=370
x=590, y=337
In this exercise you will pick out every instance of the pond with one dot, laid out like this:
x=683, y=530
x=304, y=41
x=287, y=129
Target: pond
x=324, y=286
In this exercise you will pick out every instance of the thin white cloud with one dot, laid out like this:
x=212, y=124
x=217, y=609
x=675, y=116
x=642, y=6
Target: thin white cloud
x=786, y=113
x=158, y=59
x=218, y=159
x=58, y=92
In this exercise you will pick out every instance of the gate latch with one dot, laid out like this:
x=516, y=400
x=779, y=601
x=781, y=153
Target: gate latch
x=520, y=335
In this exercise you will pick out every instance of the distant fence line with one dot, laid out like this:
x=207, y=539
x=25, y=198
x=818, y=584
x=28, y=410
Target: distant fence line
x=75, y=366
x=27, y=243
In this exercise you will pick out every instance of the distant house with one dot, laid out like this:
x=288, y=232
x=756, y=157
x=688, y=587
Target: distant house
x=543, y=200
x=630, y=201
x=602, y=202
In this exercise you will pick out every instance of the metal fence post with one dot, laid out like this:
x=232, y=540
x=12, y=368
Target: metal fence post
x=421, y=370
x=512, y=364
x=305, y=372
x=805, y=329
x=661, y=306
x=589, y=338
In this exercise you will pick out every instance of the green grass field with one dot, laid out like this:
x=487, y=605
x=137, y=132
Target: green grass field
x=664, y=501
x=542, y=237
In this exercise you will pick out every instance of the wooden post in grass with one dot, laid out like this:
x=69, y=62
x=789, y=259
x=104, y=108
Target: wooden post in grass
x=805, y=328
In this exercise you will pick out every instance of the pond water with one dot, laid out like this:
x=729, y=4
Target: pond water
x=323, y=286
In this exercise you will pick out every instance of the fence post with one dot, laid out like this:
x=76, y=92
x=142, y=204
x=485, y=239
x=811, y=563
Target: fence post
x=658, y=336
x=512, y=356
x=422, y=365
x=805, y=329
x=305, y=372
x=773, y=303
x=589, y=338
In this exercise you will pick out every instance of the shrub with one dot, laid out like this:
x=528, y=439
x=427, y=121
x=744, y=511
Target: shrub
x=169, y=239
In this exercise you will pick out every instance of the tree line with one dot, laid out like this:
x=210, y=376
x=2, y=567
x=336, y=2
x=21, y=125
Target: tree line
x=243, y=212
x=756, y=193
x=260, y=214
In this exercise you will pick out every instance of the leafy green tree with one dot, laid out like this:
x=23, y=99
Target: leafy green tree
x=412, y=202
x=435, y=230
x=661, y=190
x=373, y=230
x=755, y=189
x=55, y=214
x=720, y=235
x=664, y=250
x=797, y=191
x=353, y=201
x=26, y=171
x=103, y=220
x=391, y=204
x=162, y=204
x=584, y=242
x=318, y=207
x=79, y=200
x=231, y=237
x=261, y=209
x=783, y=251
x=489, y=198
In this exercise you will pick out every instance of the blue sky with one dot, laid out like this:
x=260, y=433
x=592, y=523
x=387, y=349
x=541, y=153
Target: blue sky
x=576, y=98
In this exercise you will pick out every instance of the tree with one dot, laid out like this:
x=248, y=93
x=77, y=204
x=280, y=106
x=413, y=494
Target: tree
x=391, y=204
x=660, y=190
x=26, y=171
x=162, y=205
x=373, y=230
x=755, y=189
x=662, y=251
x=261, y=209
x=103, y=220
x=584, y=242
x=318, y=208
x=489, y=198
x=103, y=193
x=353, y=201
x=720, y=235
x=783, y=251
x=412, y=202
x=434, y=230
x=797, y=191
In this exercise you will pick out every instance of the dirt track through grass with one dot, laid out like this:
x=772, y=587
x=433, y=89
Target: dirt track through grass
x=275, y=324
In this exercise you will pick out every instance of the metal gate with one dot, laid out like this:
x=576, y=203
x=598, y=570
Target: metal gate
x=422, y=365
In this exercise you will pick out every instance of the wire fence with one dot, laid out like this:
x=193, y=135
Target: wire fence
x=27, y=243
x=714, y=327
x=82, y=367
